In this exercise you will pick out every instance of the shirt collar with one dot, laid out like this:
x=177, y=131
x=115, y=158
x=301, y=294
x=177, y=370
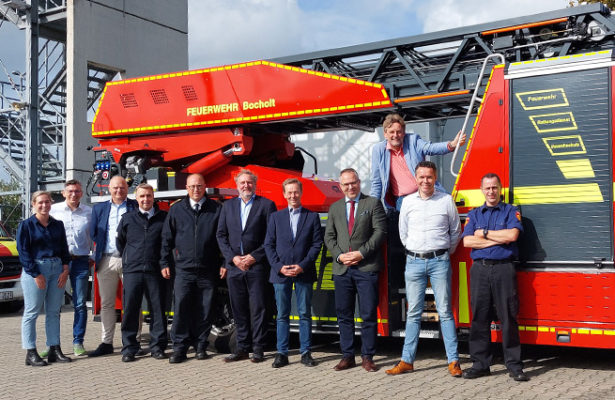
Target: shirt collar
x=67, y=207
x=356, y=199
x=391, y=148
x=192, y=202
x=123, y=203
x=150, y=213
x=499, y=206
x=249, y=201
x=294, y=210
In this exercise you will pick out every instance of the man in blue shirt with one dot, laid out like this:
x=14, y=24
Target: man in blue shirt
x=103, y=231
x=492, y=231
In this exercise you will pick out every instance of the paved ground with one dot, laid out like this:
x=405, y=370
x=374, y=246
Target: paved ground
x=555, y=374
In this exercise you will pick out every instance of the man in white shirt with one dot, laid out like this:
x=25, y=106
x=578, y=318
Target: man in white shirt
x=76, y=218
x=429, y=229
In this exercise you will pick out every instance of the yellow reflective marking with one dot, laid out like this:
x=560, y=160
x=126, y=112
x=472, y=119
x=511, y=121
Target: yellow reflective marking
x=583, y=331
x=573, y=169
x=554, y=122
x=565, y=145
x=464, y=306
x=558, y=194
x=609, y=333
x=543, y=329
x=540, y=99
x=474, y=197
x=530, y=328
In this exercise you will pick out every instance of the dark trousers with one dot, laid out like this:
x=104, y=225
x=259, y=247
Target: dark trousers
x=135, y=285
x=494, y=285
x=247, y=291
x=192, y=310
x=347, y=286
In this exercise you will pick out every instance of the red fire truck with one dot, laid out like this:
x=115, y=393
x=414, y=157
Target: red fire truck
x=540, y=91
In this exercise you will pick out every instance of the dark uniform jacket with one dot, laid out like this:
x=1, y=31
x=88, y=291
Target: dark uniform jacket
x=138, y=241
x=189, y=238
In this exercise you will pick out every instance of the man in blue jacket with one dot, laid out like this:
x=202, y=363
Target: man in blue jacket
x=241, y=235
x=103, y=230
x=138, y=241
x=189, y=249
x=293, y=242
x=394, y=161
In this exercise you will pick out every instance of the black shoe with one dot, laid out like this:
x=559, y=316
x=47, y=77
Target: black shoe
x=472, y=373
x=307, y=360
x=257, y=358
x=55, y=354
x=128, y=358
x=177, y=358
x=239, y=356
x=141, y=352
x=519, y=376
x=201, y=355
x=101, y=350
x=34, y=359
x=158, y=355
x=280, y=361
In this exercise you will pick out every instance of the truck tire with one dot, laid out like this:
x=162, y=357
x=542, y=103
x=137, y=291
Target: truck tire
x=223, y=336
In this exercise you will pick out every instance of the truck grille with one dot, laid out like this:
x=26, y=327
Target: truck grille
x=9, y=266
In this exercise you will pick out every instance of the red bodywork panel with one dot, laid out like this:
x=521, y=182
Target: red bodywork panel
x=571, y=308
x=230, y=95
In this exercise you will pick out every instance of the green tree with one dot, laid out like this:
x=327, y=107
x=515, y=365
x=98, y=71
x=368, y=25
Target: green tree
x=10, y=205
x=609, y=3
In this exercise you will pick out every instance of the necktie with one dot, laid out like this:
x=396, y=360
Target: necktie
x=351, y=218
x=196, y=208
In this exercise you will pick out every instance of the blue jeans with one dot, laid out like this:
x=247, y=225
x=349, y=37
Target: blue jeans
x=34, y=299
x=79, y=274
x=283, y=299
x=439, y=272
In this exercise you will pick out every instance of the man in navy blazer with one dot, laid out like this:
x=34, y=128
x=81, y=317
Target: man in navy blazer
x=241, y=234
x=103, y=231
x=293, y=242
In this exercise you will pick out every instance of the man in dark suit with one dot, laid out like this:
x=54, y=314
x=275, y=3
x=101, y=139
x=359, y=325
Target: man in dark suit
x=189, y=248
x=293, y=242
x=138, y=241
x=241, y=233
x=356, y=229
x=103, y=230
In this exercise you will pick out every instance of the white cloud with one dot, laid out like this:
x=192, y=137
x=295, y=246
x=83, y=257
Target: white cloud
x=446, y=14
x=225, y=32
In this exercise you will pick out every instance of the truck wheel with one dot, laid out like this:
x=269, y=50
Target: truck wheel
x=223, y=336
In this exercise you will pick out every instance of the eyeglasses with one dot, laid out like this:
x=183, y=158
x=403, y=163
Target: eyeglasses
x=348, y=184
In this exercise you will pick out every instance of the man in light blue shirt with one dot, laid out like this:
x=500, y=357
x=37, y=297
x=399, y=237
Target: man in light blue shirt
x=103, y=230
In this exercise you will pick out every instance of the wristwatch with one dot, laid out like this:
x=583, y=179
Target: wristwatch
x=485, y=231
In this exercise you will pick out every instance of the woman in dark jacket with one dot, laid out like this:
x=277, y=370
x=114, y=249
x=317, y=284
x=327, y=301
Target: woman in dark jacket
x=44, y=256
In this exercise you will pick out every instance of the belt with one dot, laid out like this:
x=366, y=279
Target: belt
x=487, y=261
x=428, y=255
x=75, y=257
x=114, y=254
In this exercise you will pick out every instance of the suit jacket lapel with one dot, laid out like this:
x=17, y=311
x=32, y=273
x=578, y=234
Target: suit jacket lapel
x=302, y=217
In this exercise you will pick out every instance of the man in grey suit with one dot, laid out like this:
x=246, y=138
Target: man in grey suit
x=356, y=229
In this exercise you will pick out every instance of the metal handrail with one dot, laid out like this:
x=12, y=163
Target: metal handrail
x=474, y=99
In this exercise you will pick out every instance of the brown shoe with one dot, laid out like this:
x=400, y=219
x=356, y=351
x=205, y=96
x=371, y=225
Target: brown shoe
x=345, y=363
x=401, y=368
x=455, y=369
x=368, y=364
